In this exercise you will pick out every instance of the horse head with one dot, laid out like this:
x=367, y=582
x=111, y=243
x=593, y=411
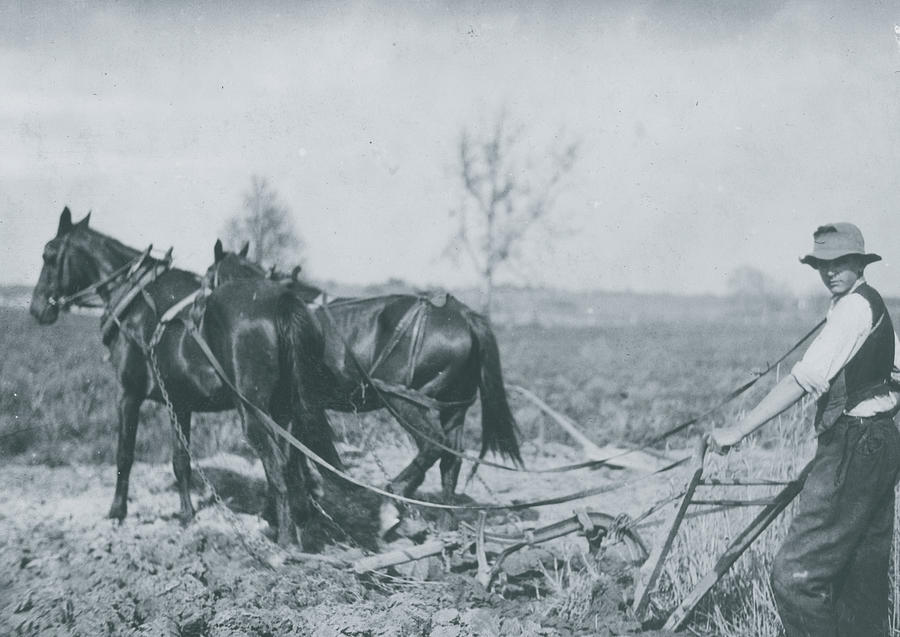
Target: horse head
x=79, y=262
x=230, y=266
x=67, y=267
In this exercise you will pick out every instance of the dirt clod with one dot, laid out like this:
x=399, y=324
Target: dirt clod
x=65, y=569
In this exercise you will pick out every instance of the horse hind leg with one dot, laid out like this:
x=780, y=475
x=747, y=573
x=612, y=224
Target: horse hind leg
x=275, y=466
x=181, y=463
x=411, y=477
x=304, y=484
x=452, y=422
x=129, y=410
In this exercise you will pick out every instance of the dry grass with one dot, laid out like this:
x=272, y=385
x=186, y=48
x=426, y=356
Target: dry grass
x=741, y=603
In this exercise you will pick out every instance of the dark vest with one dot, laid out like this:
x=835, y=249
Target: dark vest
x=867, y=374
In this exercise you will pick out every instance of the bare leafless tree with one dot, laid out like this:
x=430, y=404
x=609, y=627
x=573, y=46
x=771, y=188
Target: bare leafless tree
x=506, y=192
x=267, y=224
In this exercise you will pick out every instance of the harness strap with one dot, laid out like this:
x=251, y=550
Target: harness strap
x=418, y=397
x=145, y=278
x=148, y=300
x=170, y=315
x=418, y=333
x=183, y=303
x=413, y=313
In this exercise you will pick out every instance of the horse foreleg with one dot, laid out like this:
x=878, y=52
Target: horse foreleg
x=414, y=420
x=181, y=462
x=129, y=409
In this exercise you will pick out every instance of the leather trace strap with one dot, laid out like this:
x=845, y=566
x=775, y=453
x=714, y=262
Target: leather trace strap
x=413, y=315
x=589, y=464
x=173, y=311
x=279, y=431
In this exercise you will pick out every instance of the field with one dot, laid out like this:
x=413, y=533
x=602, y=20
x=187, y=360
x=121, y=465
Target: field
x=68, y=570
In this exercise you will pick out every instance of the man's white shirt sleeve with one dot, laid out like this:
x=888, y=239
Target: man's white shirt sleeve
x=848, y=325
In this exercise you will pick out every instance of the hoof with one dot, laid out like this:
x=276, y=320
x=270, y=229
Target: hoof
x=270, y=533
x=316, y=483
x=287, y=536
x=117, y=512
x=310, y=542
x=412, y=528
x=389, y=518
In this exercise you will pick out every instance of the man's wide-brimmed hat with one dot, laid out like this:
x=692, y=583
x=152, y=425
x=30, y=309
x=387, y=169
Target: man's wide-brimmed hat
x=835, y=240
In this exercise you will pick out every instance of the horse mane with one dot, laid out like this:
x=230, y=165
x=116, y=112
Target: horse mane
x=307, y=290
x=111, y=251
x=99, y=253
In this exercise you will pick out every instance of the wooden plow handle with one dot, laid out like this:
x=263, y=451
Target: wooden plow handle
x=740, y=544
x=653, y=566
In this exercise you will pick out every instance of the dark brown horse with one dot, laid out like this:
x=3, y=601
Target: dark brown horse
x=260, y=332
x=435, y=346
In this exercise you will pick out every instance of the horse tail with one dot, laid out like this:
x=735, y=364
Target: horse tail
x=498, y=426
x=303, y=372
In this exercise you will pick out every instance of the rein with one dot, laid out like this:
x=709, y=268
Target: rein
x=592, y=464
x=112, y=317
x=313, y=456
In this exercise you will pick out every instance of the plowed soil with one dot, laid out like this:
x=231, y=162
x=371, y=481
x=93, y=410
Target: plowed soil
x=65, y=569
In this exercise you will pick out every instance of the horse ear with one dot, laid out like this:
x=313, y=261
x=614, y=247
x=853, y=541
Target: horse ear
x=218, y=252
x=65, y=222
x=245, y=249
x=84, y=222
x=295, y=273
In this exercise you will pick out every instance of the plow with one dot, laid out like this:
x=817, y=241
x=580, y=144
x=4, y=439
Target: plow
x=603, y=531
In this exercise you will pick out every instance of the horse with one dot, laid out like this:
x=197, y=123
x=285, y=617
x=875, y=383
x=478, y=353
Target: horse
x=424, y=354
x=261, y=333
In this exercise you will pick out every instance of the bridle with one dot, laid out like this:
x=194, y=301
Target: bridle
x=63, y=302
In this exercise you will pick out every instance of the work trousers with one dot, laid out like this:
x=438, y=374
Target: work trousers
x=830, y=577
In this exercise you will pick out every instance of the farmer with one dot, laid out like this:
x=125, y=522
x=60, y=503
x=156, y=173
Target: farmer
x=830, y=577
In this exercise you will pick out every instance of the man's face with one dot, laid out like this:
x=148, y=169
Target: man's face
x=839, y=275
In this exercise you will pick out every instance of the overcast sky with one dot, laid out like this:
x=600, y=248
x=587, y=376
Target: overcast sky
x=713, y=134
